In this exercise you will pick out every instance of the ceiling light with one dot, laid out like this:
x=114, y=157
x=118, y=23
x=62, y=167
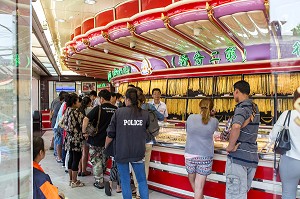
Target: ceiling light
x=60, y=20
x=71, y=17
x=197, y=31
x=90, y=2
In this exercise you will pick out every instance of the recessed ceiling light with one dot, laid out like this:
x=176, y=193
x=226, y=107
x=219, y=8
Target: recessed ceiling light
x=90, y=2
x=60, y=20
x=71, y=17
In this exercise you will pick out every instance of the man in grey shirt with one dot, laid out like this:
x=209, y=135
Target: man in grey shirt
x=242, y=157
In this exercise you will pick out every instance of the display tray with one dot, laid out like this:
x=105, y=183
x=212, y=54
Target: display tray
x=175, y=137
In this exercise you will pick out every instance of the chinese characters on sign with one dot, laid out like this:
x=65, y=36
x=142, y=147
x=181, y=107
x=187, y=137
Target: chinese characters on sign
x=117, y=72
x=198, y=58
x=230, y=54
x=296, y=49
x=183, y=60
x=215, y=57
x=102, y=85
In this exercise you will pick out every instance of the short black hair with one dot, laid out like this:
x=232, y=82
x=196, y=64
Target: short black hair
x=119, y=95
x=139, y=89
x=105, y=94
x=113, y=94
x=242, y=86
x=93, y=93
x=71, y=99
x=62, y=95
x=131, y=85
x=156, y=89
x=38, y=145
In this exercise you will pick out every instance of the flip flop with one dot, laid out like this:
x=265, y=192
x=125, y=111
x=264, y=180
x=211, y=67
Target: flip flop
x=87, y=173
x=118, y=191
x=107, y=189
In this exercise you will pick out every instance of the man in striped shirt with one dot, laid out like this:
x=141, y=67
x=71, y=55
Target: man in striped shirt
x=242, y=157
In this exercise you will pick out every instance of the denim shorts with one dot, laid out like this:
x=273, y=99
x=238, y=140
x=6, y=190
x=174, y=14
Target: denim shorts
x=58, y=136
x=199, y=165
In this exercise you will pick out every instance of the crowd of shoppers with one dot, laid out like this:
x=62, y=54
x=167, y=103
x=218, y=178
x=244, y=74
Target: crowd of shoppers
x=124, y=125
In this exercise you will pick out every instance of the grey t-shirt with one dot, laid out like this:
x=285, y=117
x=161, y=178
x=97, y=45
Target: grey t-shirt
x=199, y=139
x=246, y=154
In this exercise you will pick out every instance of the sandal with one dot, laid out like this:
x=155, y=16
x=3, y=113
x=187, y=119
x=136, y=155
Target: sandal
x=77, y=184
x=70, y=182
x=107, y=189
x=137, y=197
x=87, y=173
x=99, y=185
x=134, y=192
x=79, y=174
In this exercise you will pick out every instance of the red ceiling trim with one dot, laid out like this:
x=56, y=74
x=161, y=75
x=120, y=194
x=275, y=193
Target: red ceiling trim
x=104, y=17
x=114, y=54
x=100, y=66
x=93, y=62
x=185, y=8
x=77, y=31
x=127, y=9
x=151, y=4
x=105, y=35
x=84, y=69
x=131, y=28
x=87, y=25
x=145, y=18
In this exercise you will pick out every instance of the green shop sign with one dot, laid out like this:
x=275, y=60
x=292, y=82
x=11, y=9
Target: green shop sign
x=102, y=85
x=117, y=72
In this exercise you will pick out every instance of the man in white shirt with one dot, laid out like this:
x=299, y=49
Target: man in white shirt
x=160, y=106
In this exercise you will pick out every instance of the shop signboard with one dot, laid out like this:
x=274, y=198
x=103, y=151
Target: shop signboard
x=117, y=72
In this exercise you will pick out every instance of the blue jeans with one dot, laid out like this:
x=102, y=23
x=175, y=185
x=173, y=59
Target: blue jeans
x=54, y=142
x=58, y=137
x=139, y=170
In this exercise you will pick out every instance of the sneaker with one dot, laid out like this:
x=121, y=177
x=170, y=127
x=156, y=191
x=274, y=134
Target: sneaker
x=99, y=185
x=77, y=184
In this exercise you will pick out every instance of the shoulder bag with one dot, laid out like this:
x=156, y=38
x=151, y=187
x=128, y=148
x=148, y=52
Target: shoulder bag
x=90, y=129
x=283, y=142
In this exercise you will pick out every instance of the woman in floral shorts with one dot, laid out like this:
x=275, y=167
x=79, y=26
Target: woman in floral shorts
x=199, y=149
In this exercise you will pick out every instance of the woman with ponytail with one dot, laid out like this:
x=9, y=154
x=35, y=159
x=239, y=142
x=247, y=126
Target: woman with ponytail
x=199, y=149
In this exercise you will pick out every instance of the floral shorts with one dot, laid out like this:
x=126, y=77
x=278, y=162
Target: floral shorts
x=199, y=165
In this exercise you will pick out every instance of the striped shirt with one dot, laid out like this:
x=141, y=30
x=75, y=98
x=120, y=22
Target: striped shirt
x=246, y=154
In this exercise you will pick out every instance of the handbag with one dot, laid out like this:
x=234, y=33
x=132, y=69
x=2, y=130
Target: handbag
x=90, y=129
x=283, y=140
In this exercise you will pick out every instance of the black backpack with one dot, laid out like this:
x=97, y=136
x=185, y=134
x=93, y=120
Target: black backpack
x=153, y=128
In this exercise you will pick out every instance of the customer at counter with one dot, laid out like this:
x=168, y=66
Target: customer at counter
x=159, y=105
x=290, y=162
x=242, y=157
x=199, y=149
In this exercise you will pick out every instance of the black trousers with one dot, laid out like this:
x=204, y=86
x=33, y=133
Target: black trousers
x=74, y=159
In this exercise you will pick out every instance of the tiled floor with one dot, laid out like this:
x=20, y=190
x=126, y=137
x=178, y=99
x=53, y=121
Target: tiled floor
x=61, y=179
